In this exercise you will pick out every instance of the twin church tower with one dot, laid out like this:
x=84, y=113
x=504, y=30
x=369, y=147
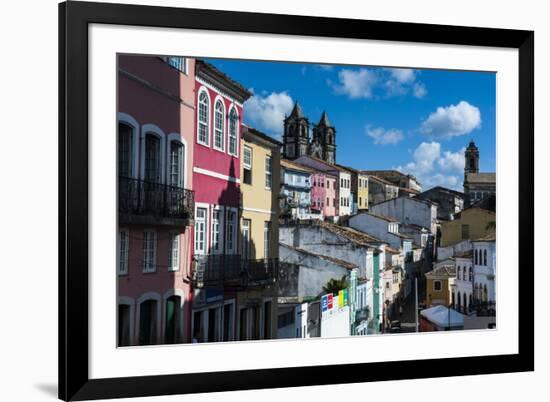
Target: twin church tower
x=296, y=141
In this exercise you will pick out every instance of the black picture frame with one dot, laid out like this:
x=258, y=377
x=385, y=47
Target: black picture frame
x=74, y=18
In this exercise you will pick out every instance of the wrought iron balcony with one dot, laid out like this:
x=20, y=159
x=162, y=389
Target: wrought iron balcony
x=232, y=271
x=146, y=202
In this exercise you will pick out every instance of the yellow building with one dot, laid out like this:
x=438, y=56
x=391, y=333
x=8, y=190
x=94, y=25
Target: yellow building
x=439, y=282
x=471, y=223
x=362, y=191
x=260, y=186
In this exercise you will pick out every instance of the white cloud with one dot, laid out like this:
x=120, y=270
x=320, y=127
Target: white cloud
x=432, y=167
x=451, y=121
x=388, y=82
x=303, y=70
x=452, y=161
x=383, y=136
x=419, y=90
x=326, y=67
x=355, y=83
x=267, y=112
x=402, y=75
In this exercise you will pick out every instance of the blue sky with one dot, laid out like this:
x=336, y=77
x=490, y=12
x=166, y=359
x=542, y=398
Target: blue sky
x=417, y=121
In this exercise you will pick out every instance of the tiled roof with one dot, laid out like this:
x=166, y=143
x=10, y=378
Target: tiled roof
x=296, y=166
x=481, y=177
x=337, y=261
x=329, y=165
x=352, y=235
x=391, y=250
x=444, y=270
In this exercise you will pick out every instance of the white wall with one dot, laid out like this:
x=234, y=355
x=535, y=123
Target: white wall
x=38, y=36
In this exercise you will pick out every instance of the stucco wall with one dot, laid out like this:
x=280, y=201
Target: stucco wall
x=478, y=221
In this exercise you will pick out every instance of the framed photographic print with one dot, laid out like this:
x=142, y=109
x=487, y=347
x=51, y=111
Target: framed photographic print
x=258, y=200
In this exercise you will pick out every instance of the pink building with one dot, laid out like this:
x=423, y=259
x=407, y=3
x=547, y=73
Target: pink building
x=155, y=153
x=323, y=194
x=216, y=178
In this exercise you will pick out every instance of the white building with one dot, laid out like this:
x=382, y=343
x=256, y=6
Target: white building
x=484, y=259
x=409, y=210
x=463, y=296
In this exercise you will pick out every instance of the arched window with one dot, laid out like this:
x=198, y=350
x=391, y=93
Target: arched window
x=484, y=257
x=204, y=113
x=464, y=278
x=125, y=155
x=152, y=158
x=484, y=293
x=458, y=299
x=465, y=305
x=470, y=274
x=458, y=273
x=219, y=142
x=233, y=132
x=475, y=257
x=176, y=164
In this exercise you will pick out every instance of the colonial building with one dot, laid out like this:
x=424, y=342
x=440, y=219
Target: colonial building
x=474, y=222
x=344, y=198
x=484, y=263
x=380, y=190
x=323, y=194
x=409, y=210
x=439, y=284
x=463, y=295
x=296, y=140
x=477, y=186
x=259, y=223
x=449, y=202
x=402, y=180
x=155, y=202
x=221, y=270
x=359, y=189
x=295, y=195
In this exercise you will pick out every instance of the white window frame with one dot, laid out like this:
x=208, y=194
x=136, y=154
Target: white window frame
x=268, y=172
x=218, y=101
x=246, y=236
x=196, y=250
x=221, y=226
x=149, y=267
x=208, y=117
x=123, y=252
x=174, y=254
x=180, y=168
x=229, y=136
x=231, y=225
x=268, y=229
x=248, y=166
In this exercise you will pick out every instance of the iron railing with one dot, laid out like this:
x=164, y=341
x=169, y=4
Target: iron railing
x=232, y=271
x=145, y=198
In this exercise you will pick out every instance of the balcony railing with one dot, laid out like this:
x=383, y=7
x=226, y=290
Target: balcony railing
x=158, y=202
x=232, y=271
